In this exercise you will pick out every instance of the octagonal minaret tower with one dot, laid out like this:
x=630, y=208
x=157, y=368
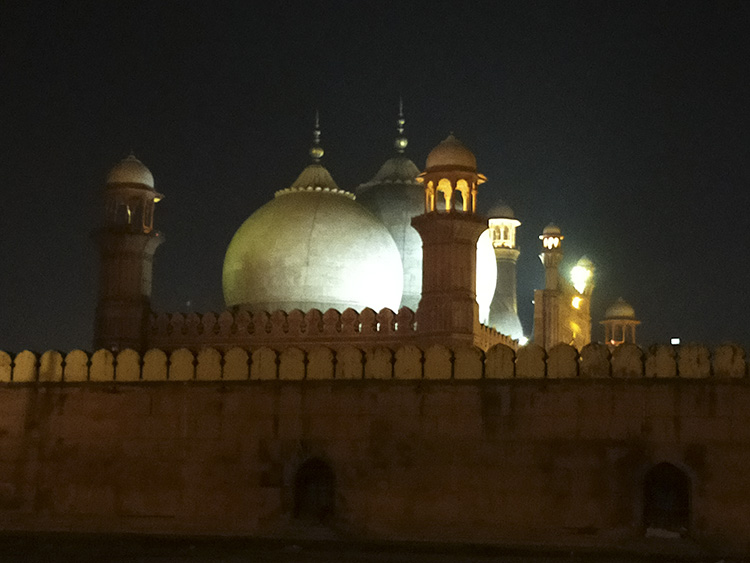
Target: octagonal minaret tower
x=547, y=300
x=127, y=242
x=562, y=310
x=504, y=307
x=448, y=312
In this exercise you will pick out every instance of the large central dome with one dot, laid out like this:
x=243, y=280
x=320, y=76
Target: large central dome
x=312, y=247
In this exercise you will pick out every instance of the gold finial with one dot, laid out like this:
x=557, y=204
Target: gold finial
x=401, y=140
x=316, y=151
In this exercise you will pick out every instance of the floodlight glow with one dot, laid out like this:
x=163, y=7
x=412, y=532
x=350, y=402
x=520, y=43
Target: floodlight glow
x=486, y=275
x=551, y=242
x=523, y=341
x=576, y=303
x=580, y=277
x=674, y=341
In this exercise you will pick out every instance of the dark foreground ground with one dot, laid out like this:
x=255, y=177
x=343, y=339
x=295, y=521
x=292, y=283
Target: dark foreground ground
x=64, y=548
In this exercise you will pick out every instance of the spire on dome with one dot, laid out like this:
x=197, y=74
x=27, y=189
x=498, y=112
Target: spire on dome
x=316, y=151
x=401, y=140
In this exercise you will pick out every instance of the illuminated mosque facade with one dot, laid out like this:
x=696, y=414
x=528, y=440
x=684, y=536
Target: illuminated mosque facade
x=316, y=248
x=367, y=381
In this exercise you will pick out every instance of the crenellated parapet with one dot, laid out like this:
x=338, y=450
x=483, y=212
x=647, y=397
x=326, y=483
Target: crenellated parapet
x=405, y=362
x=280, y=329
x=485, y=337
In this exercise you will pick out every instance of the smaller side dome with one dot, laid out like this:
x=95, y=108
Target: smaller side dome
x=620, y=309
x=551, y=229
x=451, y=153
x=130, y=170
x=502, y=211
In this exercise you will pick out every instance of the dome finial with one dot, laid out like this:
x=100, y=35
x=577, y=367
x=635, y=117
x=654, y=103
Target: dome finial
x=401, y=140
x=316, y=151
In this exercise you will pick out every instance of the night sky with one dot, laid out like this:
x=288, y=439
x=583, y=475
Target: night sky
x=624, y=123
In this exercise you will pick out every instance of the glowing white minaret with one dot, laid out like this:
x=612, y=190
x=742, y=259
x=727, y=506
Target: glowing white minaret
x=504, y=306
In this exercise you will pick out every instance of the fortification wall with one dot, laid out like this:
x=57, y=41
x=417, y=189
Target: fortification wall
x=170, y=331
x=444, y=445
x=691, y=361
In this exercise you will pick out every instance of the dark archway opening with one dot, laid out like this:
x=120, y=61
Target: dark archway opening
x=314, y=491
x=666, y=499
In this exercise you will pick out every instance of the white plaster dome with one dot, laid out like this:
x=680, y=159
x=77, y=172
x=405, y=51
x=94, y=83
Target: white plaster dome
x=312, y=247
x=130, y=170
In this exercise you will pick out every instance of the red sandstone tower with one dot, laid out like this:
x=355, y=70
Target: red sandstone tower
x=448, y=312
x=127, y=242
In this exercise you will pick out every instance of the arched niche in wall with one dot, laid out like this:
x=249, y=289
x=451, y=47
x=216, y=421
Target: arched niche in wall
x=314, y=491
x=666, y=501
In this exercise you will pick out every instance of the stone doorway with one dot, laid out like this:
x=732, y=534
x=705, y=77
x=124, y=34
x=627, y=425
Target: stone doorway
x=314, y=492
x=666, y=501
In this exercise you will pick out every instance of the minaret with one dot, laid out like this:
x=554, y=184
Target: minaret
x=448, y=312
x=562, y=310
x=127, y=242
x=504, y=307
x=547, y=300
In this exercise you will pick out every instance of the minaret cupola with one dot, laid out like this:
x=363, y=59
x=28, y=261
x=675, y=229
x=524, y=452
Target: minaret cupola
x=450, y=178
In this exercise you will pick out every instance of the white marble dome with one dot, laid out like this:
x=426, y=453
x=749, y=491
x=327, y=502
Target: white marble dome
x=394, y=196
x=312, y=247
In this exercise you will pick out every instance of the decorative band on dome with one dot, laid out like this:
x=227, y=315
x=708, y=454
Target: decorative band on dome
x=296, y=189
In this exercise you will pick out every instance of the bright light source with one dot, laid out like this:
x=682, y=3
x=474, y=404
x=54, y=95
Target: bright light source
x=523, y=341
x=576, y=302
x=486, y=275
x=551, y=242
x=580, y=277
x=674, y=341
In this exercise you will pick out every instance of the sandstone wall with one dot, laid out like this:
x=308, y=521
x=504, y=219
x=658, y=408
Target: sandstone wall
x=454, y=446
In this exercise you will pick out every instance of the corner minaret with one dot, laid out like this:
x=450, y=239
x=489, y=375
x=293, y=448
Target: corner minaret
x=127, y=242
x=448, y=312
x=547, y=301
x=504, y=306
x=562, y=310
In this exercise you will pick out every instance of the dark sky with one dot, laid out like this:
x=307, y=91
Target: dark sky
x=625, y=123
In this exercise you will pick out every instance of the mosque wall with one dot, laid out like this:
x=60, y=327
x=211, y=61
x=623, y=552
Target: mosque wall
x=444, y=445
